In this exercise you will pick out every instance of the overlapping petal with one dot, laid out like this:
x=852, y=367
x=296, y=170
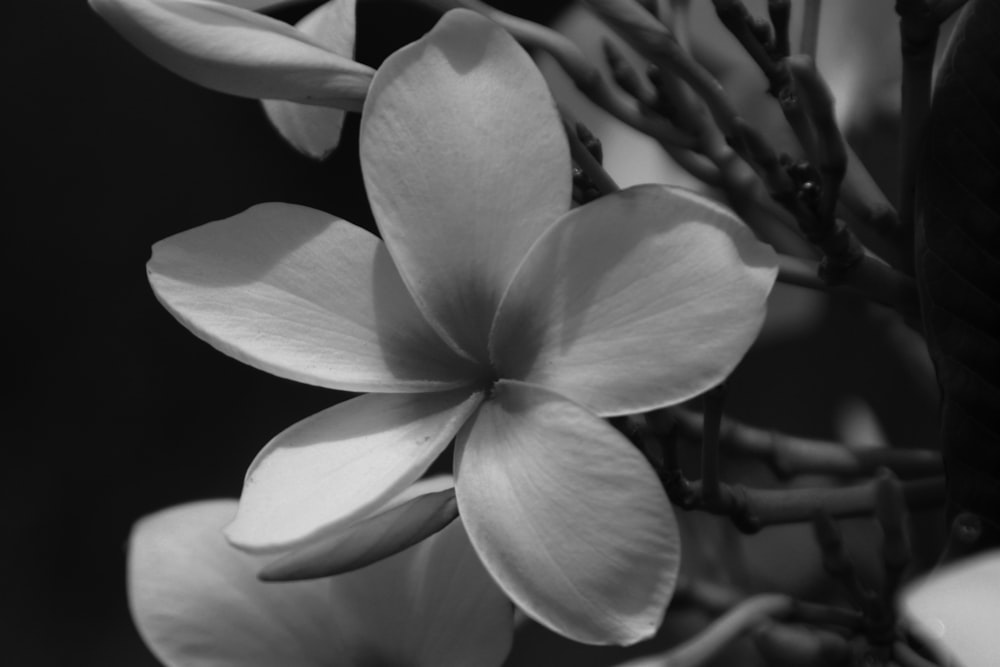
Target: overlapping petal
x=304, y=295
x=198, y=603
x=341, y=464
x=234, y=50
x=315, y=130
x=420, y=511
x=462, y=174
x=431, y=606
x=635, y=301
x=567, y=515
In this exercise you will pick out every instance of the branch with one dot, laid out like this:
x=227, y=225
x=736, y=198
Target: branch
x=729, y=627
x=789, y=456
x=752, y=509
x=571, y=59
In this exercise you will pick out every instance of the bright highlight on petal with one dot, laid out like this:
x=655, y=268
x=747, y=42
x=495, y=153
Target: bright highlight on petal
x=640, y=299
x=306, y=296
x=341, y=464
x=431, y=606
x=462, y=174
x=237, y=51
x=314, y=130
x=567, y=515
x=197, y=602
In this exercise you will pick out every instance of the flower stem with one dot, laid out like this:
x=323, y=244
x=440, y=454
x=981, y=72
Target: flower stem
x=710, y=484
x=809, y=37
x=729, y=627
x=752, y=509
x=789, y=456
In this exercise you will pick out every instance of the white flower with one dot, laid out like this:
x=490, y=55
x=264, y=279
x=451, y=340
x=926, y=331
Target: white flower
x=305, y=74
x=491, y=314
x=198, y=603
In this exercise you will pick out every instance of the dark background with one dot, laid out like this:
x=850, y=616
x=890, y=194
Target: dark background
x=116, y=411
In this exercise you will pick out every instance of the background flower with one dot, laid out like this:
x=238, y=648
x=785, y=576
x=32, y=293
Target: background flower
x=197, y=602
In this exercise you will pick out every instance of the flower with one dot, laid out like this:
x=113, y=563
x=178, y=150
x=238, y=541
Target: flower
x=305, y=75
x=197, y=602
x=491, y=314
x=954, y=610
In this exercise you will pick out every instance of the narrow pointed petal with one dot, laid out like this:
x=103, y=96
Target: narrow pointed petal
x=306, y=296
x=466, y=163
x=433, y=605
x=339, y=465
x=955, y=610
x=419, y=511
x=637, y=300
x=313, y=130
x=197, y=601
x=368, y=541
x=237, y=51
x=567, y=515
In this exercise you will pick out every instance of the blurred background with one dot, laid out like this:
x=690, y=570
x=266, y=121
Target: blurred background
x=116, y=411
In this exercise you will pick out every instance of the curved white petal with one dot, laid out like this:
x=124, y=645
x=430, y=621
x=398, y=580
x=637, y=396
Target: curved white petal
x=306, y=296
x=313, y=130
x=430, y=606
x=465, y=163
x=260, y=5
x=637, y=300
x=341, y=464
x=237, y=51
x=370, y=540
x=567, y=515
x=422, y=509
x=197, y=601
x=956, y=609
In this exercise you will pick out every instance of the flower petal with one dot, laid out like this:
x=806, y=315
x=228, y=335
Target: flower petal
x=955, y=610
x=306, y=296
x=567, y=515
x=313, y=130
x=637, y=300
x=370, y=540
x=466, y=163
x=197, y=602
x=341, y=464
x=237, y=51
x=430, y=606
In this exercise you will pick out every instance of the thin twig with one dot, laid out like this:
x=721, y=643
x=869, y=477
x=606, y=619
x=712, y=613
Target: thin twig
x=809, y=37
x=714, y=402
x=752, y=509
x=729, y=627
x=890, y=511
x=571, y=59
x=790, y=456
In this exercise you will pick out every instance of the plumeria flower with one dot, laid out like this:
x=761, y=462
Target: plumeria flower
x=490, y=314
x=197, y=602
x=305, y=75
x=954, y=609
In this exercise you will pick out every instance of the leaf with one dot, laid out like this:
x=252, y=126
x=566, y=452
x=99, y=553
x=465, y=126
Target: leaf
x=958, y=258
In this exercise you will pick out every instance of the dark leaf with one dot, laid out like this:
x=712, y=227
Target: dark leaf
x=958, y=257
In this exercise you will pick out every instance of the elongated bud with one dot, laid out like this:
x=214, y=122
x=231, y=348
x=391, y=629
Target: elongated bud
x=236, y=51
x=368, y=541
